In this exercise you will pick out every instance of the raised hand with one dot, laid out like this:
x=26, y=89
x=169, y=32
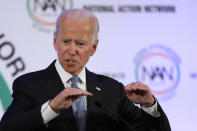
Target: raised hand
x=140, y=93
x=65, y=98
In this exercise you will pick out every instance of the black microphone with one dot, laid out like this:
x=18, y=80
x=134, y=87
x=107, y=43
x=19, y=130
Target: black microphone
x=114, y=115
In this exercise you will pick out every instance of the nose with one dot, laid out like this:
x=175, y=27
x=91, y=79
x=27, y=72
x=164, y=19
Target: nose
x=72, y=49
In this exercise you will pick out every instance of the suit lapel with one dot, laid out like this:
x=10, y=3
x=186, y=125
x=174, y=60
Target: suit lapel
x=53, y=86
x=52, y=82
x=93, y=87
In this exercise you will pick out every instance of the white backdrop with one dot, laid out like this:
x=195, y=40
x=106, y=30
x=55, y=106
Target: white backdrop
x=153, y=41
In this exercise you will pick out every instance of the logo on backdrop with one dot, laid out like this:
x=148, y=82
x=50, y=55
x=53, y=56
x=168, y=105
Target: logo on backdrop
x=158, y=67
x=12, y=64
x=5, y=95
x=44, y=13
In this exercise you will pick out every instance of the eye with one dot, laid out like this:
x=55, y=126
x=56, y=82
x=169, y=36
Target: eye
x=80, y=43
x=66, y=41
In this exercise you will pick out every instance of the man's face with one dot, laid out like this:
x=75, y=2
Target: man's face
x=74, y=43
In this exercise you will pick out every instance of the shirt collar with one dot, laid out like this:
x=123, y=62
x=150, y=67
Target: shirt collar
x=65, y=76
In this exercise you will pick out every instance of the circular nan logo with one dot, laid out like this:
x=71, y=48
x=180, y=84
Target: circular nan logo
x=44, y=13
x=158, y=67
x=5, y=95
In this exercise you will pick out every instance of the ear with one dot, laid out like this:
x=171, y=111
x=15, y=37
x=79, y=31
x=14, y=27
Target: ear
x=95, y=44
x=54, y=41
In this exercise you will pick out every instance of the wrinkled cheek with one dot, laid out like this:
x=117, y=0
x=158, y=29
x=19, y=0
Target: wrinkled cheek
x=60, y=57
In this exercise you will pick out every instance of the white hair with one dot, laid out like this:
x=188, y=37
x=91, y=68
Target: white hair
x=79, y=14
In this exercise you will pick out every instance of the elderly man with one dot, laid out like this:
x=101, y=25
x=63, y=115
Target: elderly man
x=67, y=97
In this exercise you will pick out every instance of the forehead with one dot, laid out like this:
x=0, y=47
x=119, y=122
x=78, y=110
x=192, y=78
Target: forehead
x=77, y=25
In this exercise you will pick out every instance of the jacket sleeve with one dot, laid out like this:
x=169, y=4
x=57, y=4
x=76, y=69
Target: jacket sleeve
x=139, y=119
x=22, y=114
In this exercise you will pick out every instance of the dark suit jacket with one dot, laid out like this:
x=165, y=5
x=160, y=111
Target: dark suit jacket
x=32, y=90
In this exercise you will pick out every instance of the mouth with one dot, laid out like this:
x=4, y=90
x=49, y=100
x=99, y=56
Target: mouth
x=71, y=61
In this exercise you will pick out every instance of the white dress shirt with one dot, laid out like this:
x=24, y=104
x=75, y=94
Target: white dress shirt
x=47, y=112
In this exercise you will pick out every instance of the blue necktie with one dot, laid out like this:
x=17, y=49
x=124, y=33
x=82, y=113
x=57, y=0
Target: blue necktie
x=79, y=107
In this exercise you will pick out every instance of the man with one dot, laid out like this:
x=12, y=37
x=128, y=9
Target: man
x=67, y=97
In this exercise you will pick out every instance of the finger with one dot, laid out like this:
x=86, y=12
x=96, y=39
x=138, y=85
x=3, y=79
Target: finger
x=75, y=97
x=131, y=89
x=86, y=93
x=135, y=85
x=75, y=94
x=139, y=92
x=72, y=97
x=136, y=89
x=129, y=86
x=140, y=89
x=140, y=85
x=81, y=92
x=72, y=91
